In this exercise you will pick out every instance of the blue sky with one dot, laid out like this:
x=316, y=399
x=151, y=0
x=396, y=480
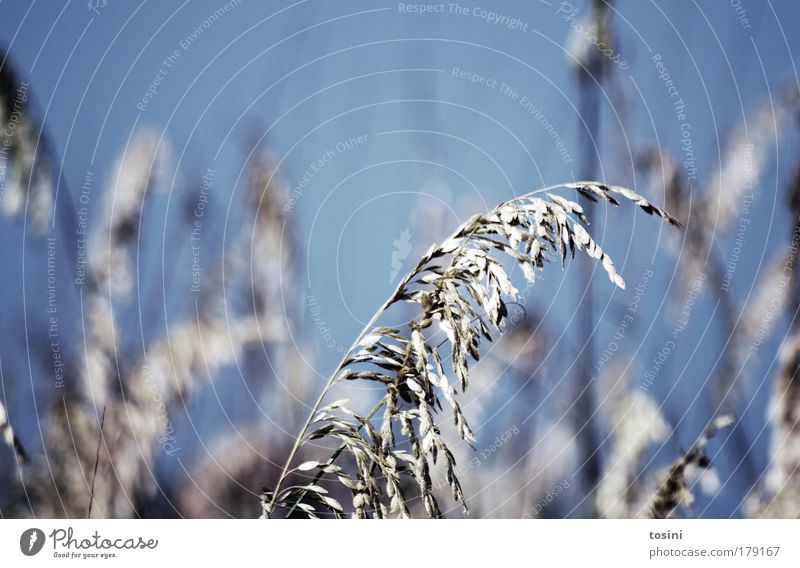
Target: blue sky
x=378, y=94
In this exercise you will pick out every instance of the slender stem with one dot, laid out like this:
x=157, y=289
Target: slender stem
x=96, y=462
x=367, y=328
x=372, y=412
x=325, y=390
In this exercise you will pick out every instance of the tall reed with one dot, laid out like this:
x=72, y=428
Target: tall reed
x=461, y=289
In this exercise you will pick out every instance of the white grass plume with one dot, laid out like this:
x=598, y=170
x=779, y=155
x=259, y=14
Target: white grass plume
x=636, y=424
x=25, y=162
x=674, y=491
x=135, y=173
x=461, y=289
x=8, y=436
